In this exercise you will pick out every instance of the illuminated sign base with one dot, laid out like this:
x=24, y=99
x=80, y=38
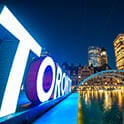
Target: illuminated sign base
x=27, y=117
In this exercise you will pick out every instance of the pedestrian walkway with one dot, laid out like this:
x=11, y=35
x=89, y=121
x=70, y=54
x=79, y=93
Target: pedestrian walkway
x=63, y=113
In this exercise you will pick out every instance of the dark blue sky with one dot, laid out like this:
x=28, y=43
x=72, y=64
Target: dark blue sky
x=67, y=27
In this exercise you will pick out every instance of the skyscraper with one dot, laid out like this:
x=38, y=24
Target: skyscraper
x=94, y=56
x=104, y=57
x=97, y=57
x=119, y=51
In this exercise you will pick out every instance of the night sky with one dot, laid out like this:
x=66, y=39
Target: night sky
x=67, y=27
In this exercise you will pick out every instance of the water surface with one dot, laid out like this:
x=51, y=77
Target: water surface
x=101, y=107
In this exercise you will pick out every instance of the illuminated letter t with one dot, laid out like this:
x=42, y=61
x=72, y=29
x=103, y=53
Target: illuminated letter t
x=26, y=44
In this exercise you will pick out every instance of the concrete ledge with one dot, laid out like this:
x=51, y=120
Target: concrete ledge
x=27, y=116
x=66, y=112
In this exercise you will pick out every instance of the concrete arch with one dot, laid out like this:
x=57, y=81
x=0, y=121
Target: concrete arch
x=112, y=72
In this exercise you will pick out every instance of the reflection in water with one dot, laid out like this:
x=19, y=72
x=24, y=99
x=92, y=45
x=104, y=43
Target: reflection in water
x=80, y=112
x=102, y=107
x=107, y=100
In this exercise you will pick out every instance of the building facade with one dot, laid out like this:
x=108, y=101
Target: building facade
x=97, y=57
x=104, y=57
x=119, y=51
x=94, y=56
x=84, y=72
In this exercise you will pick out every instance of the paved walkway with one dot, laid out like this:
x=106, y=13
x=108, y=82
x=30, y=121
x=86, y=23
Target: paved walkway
x=66, y=112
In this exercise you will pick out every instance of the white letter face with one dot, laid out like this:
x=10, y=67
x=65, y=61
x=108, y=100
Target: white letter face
x=43, y=73
x=46, y=79
x=26, y=44
x=63, y=85
x=41, y=80
x=58, y=82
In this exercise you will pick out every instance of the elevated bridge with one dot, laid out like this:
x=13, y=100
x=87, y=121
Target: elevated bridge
x=117, y=74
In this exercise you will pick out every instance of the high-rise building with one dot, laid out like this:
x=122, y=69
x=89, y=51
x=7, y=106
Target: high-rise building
x=94, y=56
x=97, y=57
x=104, y=57
x=119, y=51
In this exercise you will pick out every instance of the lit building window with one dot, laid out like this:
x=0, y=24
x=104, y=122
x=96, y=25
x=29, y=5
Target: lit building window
x=119, y=51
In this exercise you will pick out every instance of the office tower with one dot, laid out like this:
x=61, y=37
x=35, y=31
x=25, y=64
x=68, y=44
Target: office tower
x=104, y=57
x=119, y=51
x=94, y=56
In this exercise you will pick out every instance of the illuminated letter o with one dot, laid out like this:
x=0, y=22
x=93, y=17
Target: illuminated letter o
x=41, y=71
x=42, y=95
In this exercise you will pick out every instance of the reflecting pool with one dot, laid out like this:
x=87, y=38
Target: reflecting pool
x=101, y=107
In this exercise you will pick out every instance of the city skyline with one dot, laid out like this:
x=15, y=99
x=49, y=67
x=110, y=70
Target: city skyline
x=44, y=85
x=67, y=28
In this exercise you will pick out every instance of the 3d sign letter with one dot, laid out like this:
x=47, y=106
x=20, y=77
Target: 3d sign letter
x=45, y=79
x=26, y=44
x=42, y=83
x=41, y=80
